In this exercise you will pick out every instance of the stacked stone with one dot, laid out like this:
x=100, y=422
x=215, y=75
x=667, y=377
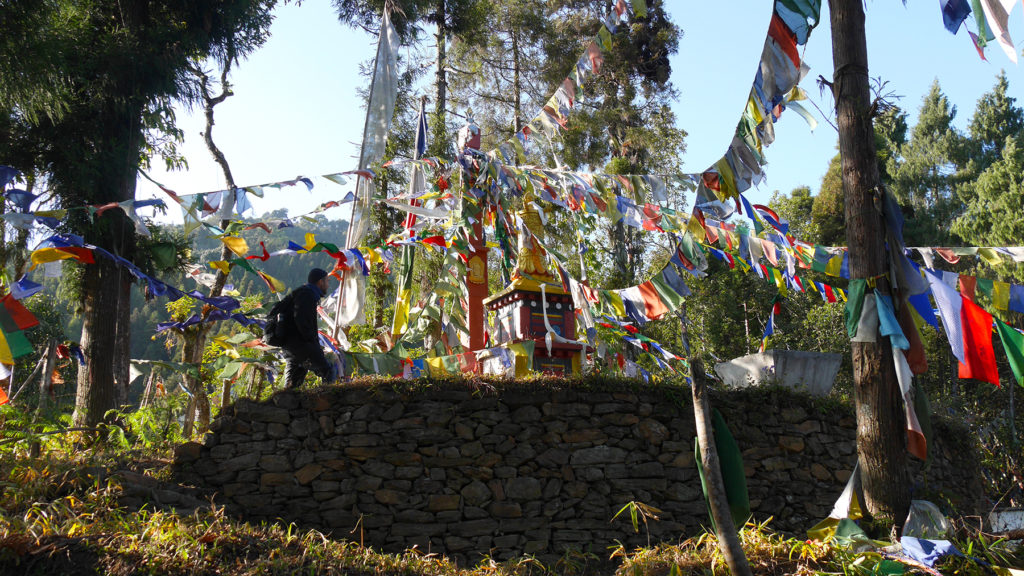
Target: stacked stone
x=517, y=472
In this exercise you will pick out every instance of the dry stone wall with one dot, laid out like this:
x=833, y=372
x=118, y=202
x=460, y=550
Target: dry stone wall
x=468, y=473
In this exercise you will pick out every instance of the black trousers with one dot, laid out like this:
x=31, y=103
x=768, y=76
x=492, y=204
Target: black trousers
x=300, y=358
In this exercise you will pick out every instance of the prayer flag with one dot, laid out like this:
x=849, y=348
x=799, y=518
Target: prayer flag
x=613, y=303
x=3, y=397
x=954, y=12
x=654, y=308
x=1013, y=344
x=769, y=328
x=772, y=218
x=237, y=245
x=950, y=304
x=979, y=358
x=21, y=316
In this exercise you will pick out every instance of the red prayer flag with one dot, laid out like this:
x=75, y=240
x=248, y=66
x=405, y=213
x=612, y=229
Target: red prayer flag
x=829, y=294
x=654, y=308
x=22, y=317
x=979, y=357
x=785, y=38
x=947, y=255
x=967, y=286
x=3, y=397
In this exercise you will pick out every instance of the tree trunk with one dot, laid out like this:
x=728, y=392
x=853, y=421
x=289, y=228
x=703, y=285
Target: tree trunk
x=105, y=287
x=725, y=529
x=195, y=342
x=881, y=439
x=95, y=394
x=517, y=87
x=122, y=359
x=440, y=136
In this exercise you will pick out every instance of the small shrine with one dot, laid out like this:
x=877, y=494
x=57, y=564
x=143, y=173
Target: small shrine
x=519, y=309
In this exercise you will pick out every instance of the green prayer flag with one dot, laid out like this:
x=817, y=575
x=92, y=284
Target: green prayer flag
x=244, y=264
x=985, y=285
x=1013, y=343
x=670, y=297
x=640, y=8
x=18, y=343
x=984, y=32
x=854, y=304
x=730, y=460
x=923, y=409
x=163, y=254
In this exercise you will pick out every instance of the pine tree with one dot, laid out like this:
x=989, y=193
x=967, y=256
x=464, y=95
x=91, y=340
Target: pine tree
x=927, y=171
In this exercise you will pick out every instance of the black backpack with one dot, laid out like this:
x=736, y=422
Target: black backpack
x=277, y=319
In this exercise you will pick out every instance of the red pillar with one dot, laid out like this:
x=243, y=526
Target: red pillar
x=476, y=282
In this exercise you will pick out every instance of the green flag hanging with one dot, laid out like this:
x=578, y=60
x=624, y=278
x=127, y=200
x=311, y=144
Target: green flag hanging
x=1013, y=343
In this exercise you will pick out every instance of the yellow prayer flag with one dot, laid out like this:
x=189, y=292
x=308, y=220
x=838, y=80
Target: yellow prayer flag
x=237, y=245
x=523, y=358
x=47, y=255
x=779, y=281
x=275, y=284
x=694, y=228
x=614, y=301
x=401, y=323
x=222, y=265
x=1000, y=295
x=990, y=256
x=726, y=179
x=436, y=366
x=743, y=264
x=5, y=351
x=754, y=108
x=834, y=266
x=310, y=240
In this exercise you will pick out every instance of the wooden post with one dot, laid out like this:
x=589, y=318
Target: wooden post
x=46, y=382
x=728, y=539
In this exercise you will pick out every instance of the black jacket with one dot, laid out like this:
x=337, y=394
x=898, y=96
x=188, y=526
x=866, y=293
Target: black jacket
x=302, y=327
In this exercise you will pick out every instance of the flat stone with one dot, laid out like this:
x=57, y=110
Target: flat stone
x=267, y=413
x=239, y=463
x=621, y=419
x=523, y=488
x=275, y=463
x=653, y=431
x=791, y=443
x=403, y=458
x=597, y=455
x=476, y=493
x=276, y=479
x=308, y=473
x=187, y=452
x=809, y=427
x=584, y=435
x=389, y=496
x=362, y=452
x=442, y=502
x=505, y=510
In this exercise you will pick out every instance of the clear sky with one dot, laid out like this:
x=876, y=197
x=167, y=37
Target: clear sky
x=296, y=110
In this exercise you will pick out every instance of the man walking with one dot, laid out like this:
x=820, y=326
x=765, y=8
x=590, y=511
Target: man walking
x=302, y=349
